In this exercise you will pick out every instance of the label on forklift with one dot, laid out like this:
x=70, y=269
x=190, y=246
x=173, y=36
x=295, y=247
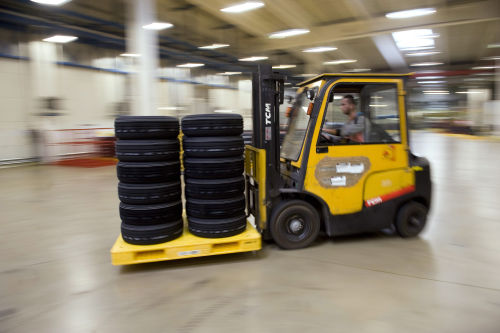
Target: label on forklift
x=189, y=253
x=268, y=134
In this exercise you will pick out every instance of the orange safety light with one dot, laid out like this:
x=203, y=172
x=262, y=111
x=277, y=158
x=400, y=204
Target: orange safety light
x=310, y=108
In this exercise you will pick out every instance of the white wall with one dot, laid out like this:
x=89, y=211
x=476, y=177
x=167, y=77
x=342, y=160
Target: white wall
x=14, y=110
x=88, y=98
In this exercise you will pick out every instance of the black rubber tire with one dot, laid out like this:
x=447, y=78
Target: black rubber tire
x=214, y=188
x=148, y=172
x=217, y=228
x=146, y=127
x=151, y=234
x=215, y=209
x=150, y=214
x=213, y=146
x=144, y=194
x=212, y=125
x=306, y=220
x=147, y=150
x=213, y=168
x=411, y=219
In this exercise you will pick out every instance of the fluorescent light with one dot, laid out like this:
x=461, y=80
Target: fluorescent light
x=223, y=111
x=171, y=108
x=51, y=2
x=243, y=7
x=378, y=105
x=213, y=46
x=421, y=54
x=430, y=82
x=493, y=46
x=474, y=79
x=190, y=65
x=157, y=26
x=416, y=39
x=417, y=64
x=431, y=77
x=469, y=92
x=60, y=39
x=307, y=75
x=255, y=58
x=491, y=58
x=485, y=67
x=320, y=49
x=337, y=97
x=288, y=33
x=436, y=92
x=338, y=62
x=410, y=13
x=229, y=73
x=357, y=70
x=132, y=55
x=284, y=66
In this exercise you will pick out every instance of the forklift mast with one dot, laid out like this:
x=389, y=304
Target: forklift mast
x=267, y=95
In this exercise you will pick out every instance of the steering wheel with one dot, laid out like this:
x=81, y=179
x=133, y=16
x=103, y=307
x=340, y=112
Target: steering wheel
x=330, y=137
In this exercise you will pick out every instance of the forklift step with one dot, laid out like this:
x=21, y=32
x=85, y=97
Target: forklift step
x=186, y=246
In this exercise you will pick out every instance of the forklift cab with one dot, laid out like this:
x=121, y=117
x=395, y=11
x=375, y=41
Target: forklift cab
x=342, y=185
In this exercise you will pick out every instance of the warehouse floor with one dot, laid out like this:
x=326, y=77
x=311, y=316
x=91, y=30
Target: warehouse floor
x=59, y=223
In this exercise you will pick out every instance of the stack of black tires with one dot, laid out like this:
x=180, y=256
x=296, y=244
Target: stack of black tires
x=149, y=174
x=213, y=174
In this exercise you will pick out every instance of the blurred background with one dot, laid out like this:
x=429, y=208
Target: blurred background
x=68, y=68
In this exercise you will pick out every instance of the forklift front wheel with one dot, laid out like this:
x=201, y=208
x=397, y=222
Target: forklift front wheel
x=295, y=224
x=411, y=219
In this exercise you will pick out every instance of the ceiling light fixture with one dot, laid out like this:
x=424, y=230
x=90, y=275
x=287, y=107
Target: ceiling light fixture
x=284, y=66
x=417, y=39
x=157, y=26
x=213, y=46
x=255, y=58
x=493, y=46
x=132, y=55
x=436, y=92
x=320, y=49
x=491, y=58
x=357, y=70
x=190, y=65
x=411, y=13
x=485, y=67
x=307, y=75
x=378, y=105
x=421, y=64
x=430, y=82
x=288, y=33
x=229, y=73
x=338, y=62
x=223, y=111
x=431, y=77
x=51, y=2
x=243, y=7
x=469, y=92
x=60, y=39
x=422, y=54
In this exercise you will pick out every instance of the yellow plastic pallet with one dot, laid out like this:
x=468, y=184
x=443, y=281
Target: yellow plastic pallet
x=186, y=246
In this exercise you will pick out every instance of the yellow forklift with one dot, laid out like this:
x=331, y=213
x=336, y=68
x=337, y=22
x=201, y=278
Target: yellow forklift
x=325, y=182
x=315, y=180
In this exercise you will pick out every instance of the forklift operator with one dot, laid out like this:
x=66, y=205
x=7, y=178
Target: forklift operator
x=354, y=126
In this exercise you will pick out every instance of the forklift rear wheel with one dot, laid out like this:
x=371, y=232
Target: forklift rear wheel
x=411, y=219
x=295, y=224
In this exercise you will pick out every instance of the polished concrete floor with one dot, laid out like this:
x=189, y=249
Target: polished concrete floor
x=59, y=223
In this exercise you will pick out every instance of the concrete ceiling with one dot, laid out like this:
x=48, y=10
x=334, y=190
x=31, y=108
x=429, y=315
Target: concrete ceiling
x=359, y=29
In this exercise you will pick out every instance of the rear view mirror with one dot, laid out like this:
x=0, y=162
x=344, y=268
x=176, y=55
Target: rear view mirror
x=310, y=94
